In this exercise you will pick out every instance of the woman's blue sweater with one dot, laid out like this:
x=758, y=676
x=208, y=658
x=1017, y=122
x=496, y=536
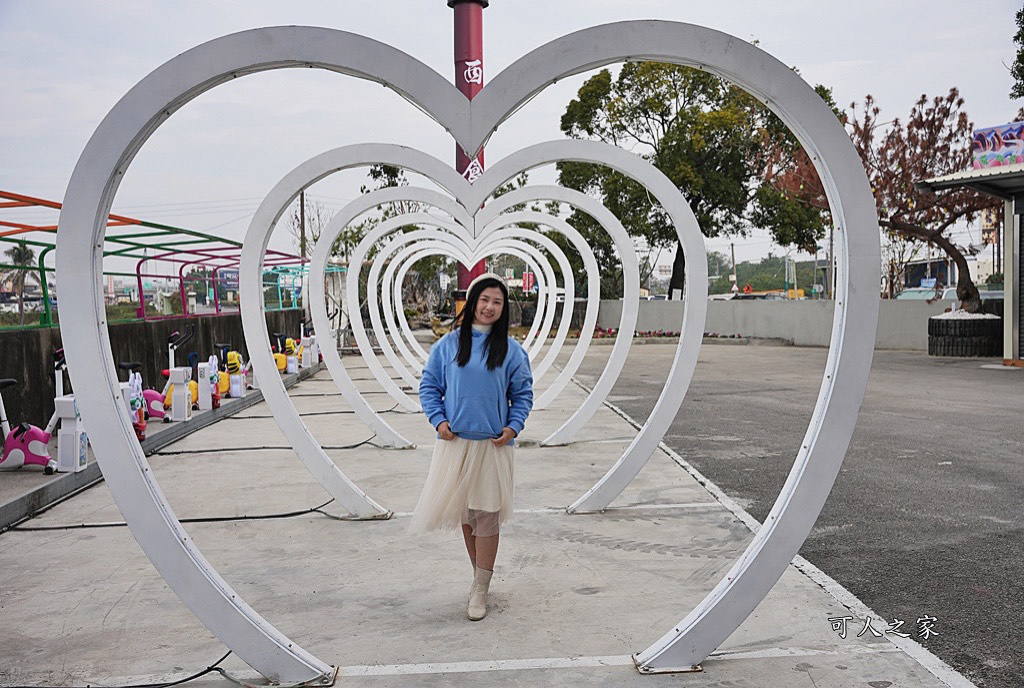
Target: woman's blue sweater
x=477, y=403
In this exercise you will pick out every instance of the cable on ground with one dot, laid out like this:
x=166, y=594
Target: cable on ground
x=208, y=670
x=202, y=519
x=264, y=447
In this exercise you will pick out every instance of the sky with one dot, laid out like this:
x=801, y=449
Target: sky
x=63, y=65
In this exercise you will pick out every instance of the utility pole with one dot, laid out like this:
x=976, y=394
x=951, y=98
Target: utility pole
x=469, y=79
x=831, y=260
x=796, y=287
x=735, y=288
x=302, y=224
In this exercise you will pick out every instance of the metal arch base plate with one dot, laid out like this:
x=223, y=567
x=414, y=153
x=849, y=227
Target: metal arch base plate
x=126, y=128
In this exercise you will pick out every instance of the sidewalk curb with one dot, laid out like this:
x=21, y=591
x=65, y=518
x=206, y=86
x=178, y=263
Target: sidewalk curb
x=28, y=504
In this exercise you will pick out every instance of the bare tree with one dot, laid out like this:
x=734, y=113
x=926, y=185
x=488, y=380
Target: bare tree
x=897, y=251
x=935, y=140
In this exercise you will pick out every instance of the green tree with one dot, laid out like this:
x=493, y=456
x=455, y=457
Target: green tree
x=768, y=274
x=18, y=255
x=710, y=138
x=719, y=265
x=1017, y=69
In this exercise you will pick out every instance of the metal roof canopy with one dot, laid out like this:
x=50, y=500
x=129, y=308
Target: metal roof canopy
x=1005, y=182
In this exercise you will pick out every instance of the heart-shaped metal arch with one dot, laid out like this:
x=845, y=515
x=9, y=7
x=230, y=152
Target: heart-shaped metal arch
x=593, y=294
x=533, y=257
x=392, y=300
x=398, y=252
x=125, y=129
x=589, y=320
x=395, y=273
x=473, y=196
x=438, y=242
x=462, y=253
x=543, y=269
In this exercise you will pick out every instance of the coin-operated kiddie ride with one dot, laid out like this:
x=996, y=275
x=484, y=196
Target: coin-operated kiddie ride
x=236, y=371
x=133, y=396
x=179, y=406
x=72, y=441
x=309, y=350
x=208, y=377
x=26, y=444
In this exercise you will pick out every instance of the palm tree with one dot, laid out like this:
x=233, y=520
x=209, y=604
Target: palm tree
x=20, y=255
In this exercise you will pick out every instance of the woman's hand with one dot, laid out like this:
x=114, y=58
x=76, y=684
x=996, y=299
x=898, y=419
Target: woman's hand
x=506, y=436
x=444, y=431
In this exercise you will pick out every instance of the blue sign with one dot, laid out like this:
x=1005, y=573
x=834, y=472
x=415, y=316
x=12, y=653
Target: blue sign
x=229, y=278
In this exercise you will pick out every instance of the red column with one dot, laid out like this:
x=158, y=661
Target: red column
x=469, y=79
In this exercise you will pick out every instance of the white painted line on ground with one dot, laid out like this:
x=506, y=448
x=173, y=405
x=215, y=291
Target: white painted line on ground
x=611, y=509
x=595, y=662
x=911, y=647
x=486, y=665
x=784, y=652
x=537, y=663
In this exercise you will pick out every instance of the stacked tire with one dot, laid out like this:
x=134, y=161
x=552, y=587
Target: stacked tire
x=965, y=337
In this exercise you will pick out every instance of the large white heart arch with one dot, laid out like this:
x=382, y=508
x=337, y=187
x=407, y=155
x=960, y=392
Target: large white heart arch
x=132, y=121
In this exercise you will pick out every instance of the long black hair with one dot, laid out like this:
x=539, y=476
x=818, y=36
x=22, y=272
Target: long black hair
x=496, y=345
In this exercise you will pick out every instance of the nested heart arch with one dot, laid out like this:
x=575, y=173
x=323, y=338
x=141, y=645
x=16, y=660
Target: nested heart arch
x=488, y=221
x=140, y=112
x=404, y=362
x=590, y=317
x=461, y=252
x=399, y=246
x=532, y=256
x=392, y=298
x=515, y=246
x=407, y=342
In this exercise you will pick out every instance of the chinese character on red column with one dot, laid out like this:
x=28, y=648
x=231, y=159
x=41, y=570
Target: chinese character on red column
x=474, y=73
x=474, y=171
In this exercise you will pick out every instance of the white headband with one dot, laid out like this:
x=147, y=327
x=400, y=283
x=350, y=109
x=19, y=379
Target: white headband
x=486, y=275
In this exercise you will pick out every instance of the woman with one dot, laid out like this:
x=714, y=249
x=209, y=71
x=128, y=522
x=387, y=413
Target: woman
x=476, y=390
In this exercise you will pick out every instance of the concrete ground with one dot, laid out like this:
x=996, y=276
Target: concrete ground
x=925, y=516
x=572, y=598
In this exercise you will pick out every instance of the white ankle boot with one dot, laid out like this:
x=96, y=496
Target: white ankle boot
x=478, y=595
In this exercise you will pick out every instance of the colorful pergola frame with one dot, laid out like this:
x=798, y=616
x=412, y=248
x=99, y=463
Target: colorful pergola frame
x=137, y=239
x=134, y=119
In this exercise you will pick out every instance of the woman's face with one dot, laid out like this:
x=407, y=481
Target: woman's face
x=488, y=306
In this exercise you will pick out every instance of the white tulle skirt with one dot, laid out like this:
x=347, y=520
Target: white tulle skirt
x=469, y=482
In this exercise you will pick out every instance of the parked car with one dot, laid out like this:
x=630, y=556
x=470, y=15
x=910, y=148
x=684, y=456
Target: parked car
x=926, y=294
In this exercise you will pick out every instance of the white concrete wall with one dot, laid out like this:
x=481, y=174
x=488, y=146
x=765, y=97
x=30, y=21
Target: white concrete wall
x=901, y=324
